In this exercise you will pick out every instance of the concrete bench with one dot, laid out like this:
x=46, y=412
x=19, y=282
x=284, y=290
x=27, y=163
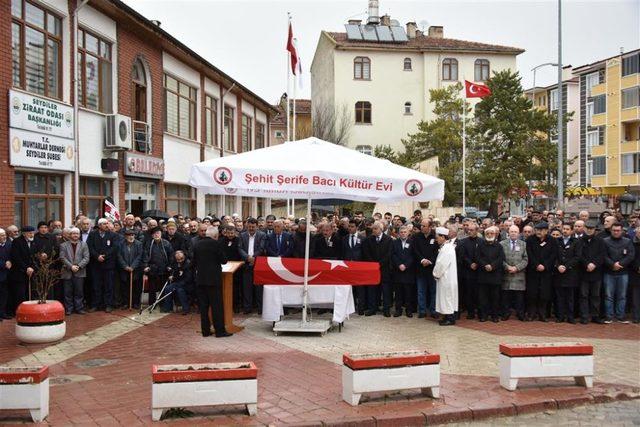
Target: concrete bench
x=387, y=371
x=546, y=360
x=207, y=384
x=25, y=388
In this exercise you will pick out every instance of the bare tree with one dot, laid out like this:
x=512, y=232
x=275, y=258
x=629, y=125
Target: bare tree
x=332, y=124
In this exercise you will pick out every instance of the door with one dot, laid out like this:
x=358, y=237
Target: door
x=137, y=207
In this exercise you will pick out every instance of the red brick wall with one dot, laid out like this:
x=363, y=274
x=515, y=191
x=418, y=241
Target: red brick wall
x=6, y=172
x=133, y=45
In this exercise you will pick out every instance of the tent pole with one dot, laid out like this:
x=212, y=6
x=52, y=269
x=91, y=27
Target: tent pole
x=305, y=291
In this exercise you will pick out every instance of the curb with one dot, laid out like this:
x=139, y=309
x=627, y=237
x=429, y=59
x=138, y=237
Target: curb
x=444, y=415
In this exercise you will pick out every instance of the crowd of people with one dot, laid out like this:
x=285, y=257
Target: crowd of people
x=537, y=266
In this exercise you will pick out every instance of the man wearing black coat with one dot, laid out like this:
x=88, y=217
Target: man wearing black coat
x=179, y=242
x=231, y=247
x=327, y=245
x=404, y=277
x=206, y=263
x=352, y=251
x=467, y=250
x=156, y=260
x=565, y=278
x=300, y=239
x=490, y=259
x=130, y=263
x=591, y=262
x=102, y=248
x=23, y=265
x=425, y=252
x=377, y=248
x=543, y=253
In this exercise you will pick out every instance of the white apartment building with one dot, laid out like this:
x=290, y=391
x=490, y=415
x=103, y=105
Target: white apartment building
x=380, y=73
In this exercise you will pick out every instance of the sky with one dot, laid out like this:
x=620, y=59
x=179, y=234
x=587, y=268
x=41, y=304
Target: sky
x=246, y=38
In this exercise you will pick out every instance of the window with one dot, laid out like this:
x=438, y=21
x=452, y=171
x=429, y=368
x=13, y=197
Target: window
x=407, y=64
x=407, y=108
x=591, y=80
x=211, y=120
x=212, y=205
x=450, y=69
x=279, y=134
x=593, y=139
x=553, y=99
x=229, y=205
x=36, y=49
x=631, y=64
x=599, y=166
x=630, y=163
x=141, y=133
x=228, y=128
x=364, y=149
x=362, y=68
x=259, y=135
x=180, y=108
x=92, y=194
x=631, y=97
x=481, y=70
x=94, y=62
x=247, y=130
x=180, y=199
x=38, y=197
x=589, y=113
x=363, y=112
x=599, y=104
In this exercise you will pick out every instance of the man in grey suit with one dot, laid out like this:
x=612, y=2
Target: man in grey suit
x=515, y=263
x=251, y=245
x=75, y=258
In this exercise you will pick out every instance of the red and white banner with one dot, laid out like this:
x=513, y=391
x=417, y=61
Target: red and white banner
x=110, y=210
x=475, y=90
x=290, y=271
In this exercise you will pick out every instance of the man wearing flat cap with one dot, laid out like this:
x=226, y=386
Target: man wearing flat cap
x=23, y=250
x=543, y=253
x=591, y=260
x=445, y=271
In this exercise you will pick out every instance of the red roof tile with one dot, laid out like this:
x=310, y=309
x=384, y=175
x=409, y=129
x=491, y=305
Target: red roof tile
x=421, y=43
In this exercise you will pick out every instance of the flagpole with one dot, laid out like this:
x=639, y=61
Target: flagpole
x=288, y=90
x=464, y=154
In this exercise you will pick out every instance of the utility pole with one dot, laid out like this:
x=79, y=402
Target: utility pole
x=560, y=201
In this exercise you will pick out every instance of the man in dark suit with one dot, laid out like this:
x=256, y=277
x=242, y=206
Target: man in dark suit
x=206, y=263
x=565, y=275
x=591, y=263
x=279, y=243
x=352, y=251
x=23, y=250
x=542, y=251
x=251, y=245
x=102, y=248
x=404, y=277
x=231, y=247
x=327, y=245
x=377, y=248
x=425, y=252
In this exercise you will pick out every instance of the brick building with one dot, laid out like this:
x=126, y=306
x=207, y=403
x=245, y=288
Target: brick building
x=149, y=107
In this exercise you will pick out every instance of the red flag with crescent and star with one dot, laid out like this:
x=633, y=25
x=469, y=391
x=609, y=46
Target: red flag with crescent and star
x=290, y=271
x=475, y=90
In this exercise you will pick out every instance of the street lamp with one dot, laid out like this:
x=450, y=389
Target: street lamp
x=627, y=203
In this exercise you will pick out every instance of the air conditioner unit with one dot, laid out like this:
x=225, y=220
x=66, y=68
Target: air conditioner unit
x=118, y=135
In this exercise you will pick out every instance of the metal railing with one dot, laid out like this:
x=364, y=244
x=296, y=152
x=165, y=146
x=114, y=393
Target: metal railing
x=141, y=137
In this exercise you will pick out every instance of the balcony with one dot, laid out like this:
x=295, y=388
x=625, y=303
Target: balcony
x=629, y=147
x=599, y=119
x=598, y=89
x=630, y=114
x=597, y=150
x=141, y=137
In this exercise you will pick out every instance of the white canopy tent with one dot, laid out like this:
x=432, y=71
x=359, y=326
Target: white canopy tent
x=313, y=169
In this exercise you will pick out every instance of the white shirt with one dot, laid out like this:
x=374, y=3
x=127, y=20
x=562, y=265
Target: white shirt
x=251, y=242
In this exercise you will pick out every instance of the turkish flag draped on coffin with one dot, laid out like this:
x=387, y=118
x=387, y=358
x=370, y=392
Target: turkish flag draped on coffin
x=290, y=271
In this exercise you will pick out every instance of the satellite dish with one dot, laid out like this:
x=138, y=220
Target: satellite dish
x=423, y=24
x=395, y=23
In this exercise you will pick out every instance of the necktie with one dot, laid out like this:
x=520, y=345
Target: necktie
x=278, y=243
x=352, y=241
x=513, y=245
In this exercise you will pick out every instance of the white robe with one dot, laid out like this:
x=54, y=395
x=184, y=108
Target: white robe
x=446, y=273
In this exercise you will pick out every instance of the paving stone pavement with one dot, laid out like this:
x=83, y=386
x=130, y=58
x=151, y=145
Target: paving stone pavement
x=614, y=414
x=104, y=368
x=465, y=349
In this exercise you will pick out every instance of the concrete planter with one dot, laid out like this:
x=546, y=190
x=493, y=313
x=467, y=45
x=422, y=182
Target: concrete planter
x=207, y=384
x=387, y=371
x=25, y=388
x=545, y=360
x=40, y=323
